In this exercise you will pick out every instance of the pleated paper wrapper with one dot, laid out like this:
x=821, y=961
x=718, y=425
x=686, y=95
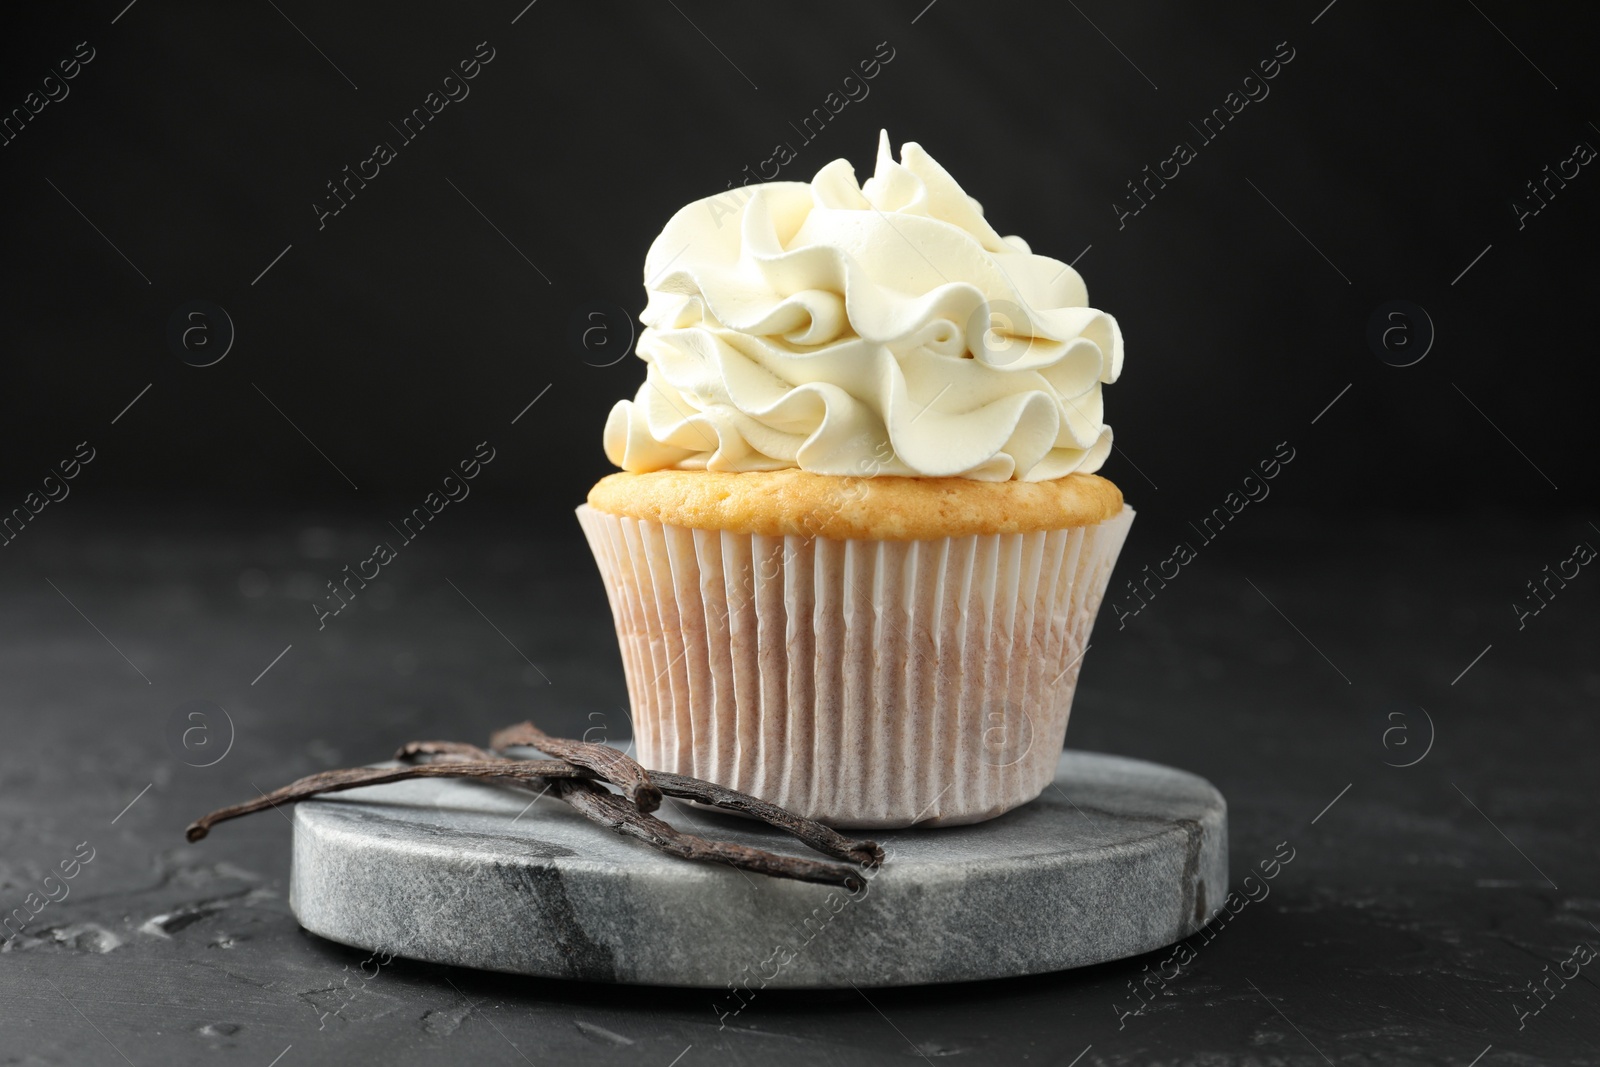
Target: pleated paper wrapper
x=860, y=683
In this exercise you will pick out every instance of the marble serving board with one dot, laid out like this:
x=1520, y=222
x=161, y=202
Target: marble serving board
x=1118, y=857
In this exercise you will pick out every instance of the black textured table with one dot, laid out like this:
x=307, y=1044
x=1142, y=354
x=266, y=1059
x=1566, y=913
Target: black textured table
x=1294, y=664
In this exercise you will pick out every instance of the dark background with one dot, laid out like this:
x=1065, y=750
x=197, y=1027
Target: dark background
x=1378, y=580
x=408, y=329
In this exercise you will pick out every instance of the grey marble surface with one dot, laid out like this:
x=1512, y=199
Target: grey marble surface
x=1119, y=857
x=1420, y=902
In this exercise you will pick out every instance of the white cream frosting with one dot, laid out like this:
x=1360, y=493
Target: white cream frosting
x=848, y=329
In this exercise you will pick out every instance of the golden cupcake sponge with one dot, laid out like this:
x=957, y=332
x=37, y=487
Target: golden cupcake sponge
x=797, y=503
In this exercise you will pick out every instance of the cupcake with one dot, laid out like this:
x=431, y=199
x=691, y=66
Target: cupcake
x=857, y=546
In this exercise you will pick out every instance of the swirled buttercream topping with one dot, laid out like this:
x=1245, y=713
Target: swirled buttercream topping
x=864, y=329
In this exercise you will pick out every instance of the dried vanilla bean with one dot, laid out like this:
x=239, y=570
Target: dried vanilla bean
x=654, y=832
x=822, y=838
x=813, y=833
x=607, y=762
x=604, y=807
x=571, y=780
x=452, y=749
x=356, y=777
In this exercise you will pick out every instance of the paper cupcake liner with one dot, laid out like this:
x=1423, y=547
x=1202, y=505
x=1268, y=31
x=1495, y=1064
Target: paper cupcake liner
x=860, y=683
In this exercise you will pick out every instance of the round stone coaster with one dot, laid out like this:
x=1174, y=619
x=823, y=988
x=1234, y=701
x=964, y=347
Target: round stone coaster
x=1118, y=857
